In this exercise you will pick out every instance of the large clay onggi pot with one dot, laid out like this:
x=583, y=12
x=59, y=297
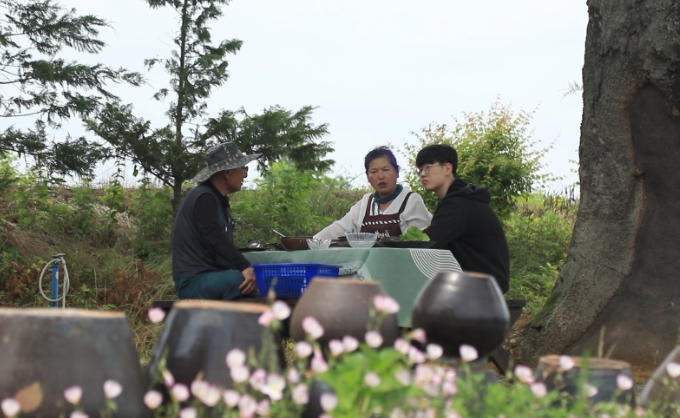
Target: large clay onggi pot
x=662, y=389
x=602, y=374
x=342, y=307
x=45, y=351
x=198, y=334
x=458, y=308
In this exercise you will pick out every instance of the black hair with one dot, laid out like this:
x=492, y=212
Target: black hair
x=438, y=153
x=380, y=152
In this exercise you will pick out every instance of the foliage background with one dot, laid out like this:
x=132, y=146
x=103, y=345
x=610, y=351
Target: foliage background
x=117, y=239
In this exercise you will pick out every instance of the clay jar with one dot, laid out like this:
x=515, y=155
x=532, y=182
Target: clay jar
x=662, y=389
x=601, y=374
x=198, y=334
x=342, y=307
x=458, y=308
x=45, y=351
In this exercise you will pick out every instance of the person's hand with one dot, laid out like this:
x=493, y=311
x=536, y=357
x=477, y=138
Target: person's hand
x=249, y=285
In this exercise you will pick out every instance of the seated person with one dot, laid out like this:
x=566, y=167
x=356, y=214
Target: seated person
x=205, y=262
x=392, y=209
x=463, y=222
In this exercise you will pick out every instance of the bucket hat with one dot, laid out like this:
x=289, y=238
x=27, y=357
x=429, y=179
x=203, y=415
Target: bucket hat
x=222, y=157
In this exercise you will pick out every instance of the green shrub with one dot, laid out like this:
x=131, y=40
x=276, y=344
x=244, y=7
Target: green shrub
x=494, y=150
x=291, y=201
x=152, y=210
x=538, y=233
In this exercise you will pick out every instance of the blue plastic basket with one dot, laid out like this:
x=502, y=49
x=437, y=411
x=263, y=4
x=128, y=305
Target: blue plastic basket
x=292, y=279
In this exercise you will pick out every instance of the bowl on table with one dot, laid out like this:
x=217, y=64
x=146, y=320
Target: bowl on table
x=294, y=243
x=318, y=243
x=361, y=239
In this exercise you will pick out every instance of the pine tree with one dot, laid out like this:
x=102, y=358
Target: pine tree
x=36, y=83
x=175, y=152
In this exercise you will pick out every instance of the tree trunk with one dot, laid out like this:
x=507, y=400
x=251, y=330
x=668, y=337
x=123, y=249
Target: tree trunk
x=623, y=266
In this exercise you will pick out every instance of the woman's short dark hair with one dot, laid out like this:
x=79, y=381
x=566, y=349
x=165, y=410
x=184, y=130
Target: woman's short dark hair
x=438, y=153
x=378, y=152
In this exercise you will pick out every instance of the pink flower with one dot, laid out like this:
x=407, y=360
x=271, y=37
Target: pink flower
x=73, y=394
x=538, y=389
x=300, y=394
x=524, y=374
x=566, y=363
x=199, y=388
x=328, y=402
x=449, y=388
x=293, y=376
x=211, y=396
x=374, y=339
x=415, y=355
x=418, y=334
x=257, y=379
x=239, y=374
x=153, y=399
x=624, y=382
x=350, y=343
x=423, y=375
x=673, y=369
x=385, y=304
x=168, y=378
x=263, y=408
x=312, y=327
x=247, y=406
x=112, y=389
x=590, y=390
x=303, y=349
x=188, y=412
x=319, y=365
x=266, y=318
x=468, y=353
x=402, y=346
x=231, y=397
x=274, y=386
x=156, y=315
x=403, y=376
x=281, y=310
x=336, y=347
x=434, y=351
x=180, y=392
x=10, y=407
x=372, y=379
x=78, y=414
x=235, y=358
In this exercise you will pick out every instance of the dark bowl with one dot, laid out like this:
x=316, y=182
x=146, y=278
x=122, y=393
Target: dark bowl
x=295, y=243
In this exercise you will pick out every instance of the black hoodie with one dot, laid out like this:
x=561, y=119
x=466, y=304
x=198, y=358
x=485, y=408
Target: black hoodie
x=465, y=224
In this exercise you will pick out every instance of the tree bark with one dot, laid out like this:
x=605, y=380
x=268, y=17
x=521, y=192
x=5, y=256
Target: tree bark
x=623, y=268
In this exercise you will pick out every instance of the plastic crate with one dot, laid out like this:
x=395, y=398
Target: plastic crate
x=292, y=279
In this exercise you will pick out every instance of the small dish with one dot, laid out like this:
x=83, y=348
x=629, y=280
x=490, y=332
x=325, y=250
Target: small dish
x=318, y=243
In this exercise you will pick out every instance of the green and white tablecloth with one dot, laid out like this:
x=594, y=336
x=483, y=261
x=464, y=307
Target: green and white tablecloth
x=402, y=272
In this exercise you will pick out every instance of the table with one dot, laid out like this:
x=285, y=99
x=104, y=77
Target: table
x=402, y=272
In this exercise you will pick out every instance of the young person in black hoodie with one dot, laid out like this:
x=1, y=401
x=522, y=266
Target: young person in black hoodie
x=463, y=222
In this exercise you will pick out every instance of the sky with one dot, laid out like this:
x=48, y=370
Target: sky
x=376, y=69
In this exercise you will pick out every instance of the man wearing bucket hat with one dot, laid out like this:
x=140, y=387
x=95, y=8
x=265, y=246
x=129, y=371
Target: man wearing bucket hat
x=205, y=262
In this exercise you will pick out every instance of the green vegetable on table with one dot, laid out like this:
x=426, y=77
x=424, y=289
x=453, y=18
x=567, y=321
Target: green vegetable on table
x=414, y=234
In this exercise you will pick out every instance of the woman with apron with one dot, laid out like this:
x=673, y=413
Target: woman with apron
x=391, y=210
